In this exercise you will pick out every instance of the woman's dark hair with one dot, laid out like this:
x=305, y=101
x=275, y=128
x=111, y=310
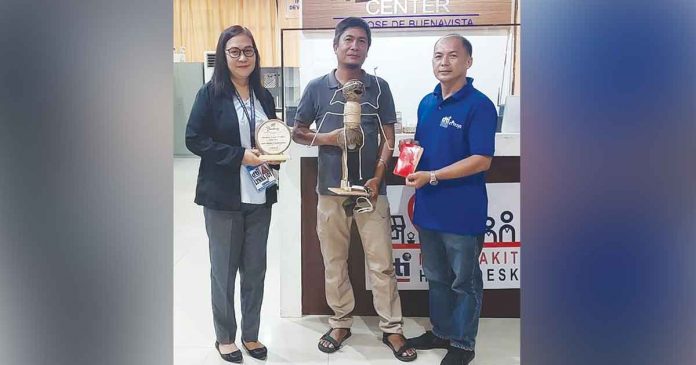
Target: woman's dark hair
x=221, y=74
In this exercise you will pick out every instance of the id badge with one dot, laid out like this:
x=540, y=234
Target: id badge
x=262, y=176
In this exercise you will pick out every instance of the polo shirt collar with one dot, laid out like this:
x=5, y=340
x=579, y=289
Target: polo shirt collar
x=461, y=93
x=366, y=79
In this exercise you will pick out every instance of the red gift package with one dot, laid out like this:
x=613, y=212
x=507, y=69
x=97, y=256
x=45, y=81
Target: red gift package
x=409, y=156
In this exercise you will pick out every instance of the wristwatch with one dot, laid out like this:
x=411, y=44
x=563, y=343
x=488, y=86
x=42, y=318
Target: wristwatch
x=433, y=178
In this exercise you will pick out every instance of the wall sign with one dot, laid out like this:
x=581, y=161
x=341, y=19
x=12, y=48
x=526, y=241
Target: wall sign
x=407, y=13
x=500, y=259
x=292, y=9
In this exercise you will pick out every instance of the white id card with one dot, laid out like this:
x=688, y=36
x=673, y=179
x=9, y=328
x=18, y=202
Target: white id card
x=262, y=176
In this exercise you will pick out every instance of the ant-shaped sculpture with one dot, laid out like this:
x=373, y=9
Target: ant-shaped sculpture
x=352, y=134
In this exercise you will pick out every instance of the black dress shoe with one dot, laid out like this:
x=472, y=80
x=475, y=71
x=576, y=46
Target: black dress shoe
x=259, y=353
x=457, y=356
x=235, y=357
x=428, y=341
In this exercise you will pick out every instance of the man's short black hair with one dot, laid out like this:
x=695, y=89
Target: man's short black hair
x=352, y=22
x=465, y=42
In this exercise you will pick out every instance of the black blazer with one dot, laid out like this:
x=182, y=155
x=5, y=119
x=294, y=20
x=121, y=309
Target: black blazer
x=212, y=132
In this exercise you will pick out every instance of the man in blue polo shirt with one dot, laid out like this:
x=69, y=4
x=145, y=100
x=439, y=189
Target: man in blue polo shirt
x=456, y=128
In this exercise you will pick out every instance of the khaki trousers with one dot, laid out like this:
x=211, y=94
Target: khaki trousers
x=333, y=229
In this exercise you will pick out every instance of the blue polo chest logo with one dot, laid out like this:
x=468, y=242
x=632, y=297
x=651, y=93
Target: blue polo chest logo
x=447, y=122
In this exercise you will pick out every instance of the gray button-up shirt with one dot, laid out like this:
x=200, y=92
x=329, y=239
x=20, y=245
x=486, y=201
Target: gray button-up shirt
x=315, y=103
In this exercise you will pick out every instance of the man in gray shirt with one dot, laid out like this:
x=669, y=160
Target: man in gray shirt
x=323, y=100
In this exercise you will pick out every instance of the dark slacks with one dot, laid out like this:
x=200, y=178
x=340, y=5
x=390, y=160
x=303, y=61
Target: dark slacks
x=237, y=241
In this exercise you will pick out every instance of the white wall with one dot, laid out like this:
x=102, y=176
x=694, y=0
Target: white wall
x=403, y=59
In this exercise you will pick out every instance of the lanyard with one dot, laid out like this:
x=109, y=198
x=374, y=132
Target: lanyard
x=251, y=118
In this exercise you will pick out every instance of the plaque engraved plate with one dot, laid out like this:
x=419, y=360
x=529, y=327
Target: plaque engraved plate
x=272, y=139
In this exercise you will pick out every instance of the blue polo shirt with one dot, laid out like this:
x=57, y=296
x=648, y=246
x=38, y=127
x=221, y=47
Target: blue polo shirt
x=449, y=131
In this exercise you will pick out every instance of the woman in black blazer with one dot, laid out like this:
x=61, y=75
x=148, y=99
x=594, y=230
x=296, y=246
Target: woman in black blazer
x=237, y=215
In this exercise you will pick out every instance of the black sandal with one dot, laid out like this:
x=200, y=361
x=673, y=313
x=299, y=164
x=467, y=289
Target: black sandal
x=335, y=343
x=259, y=353
x=399, y=353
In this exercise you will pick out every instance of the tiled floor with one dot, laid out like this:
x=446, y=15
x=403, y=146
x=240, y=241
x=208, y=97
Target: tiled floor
x=290, y=341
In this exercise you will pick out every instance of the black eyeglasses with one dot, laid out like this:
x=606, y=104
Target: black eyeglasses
x=235, y=52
